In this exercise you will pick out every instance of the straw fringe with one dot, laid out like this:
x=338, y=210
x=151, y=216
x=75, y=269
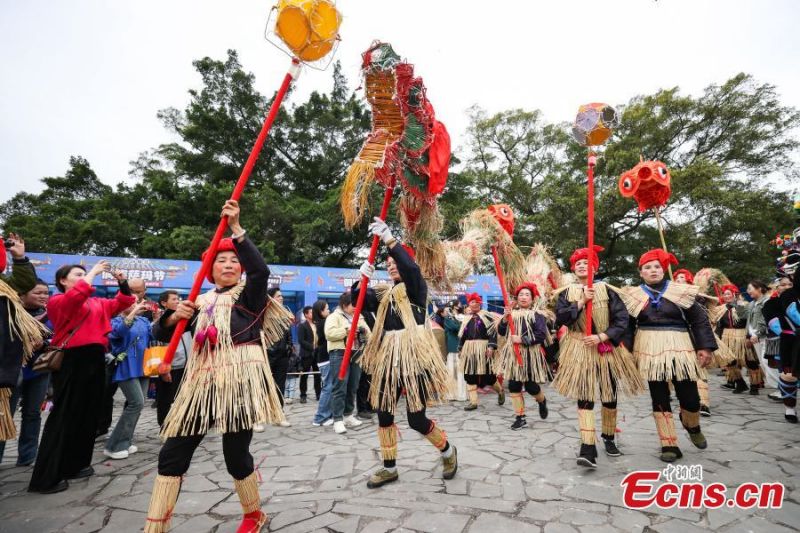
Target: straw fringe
x=736, y=341
x=408, y=358
x=665, y=426
x=682, y=294
x=609, y=421
x=723, y=356
x=21, y=324
x=518, y=403
x=690, y=419
x=229, y=387
x=702, y=390
x=586, y=426
x=635, y=298
x=162, y=503
x=473, y=358
x=7, y=429
x=437, y=437
x=247, y=489
x=534, y=367
x=423, y=223
x=387, y=437
x=664, y=355
x=732, y=373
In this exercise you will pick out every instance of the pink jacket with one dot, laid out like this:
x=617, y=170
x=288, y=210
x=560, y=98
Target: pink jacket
x=68, y=310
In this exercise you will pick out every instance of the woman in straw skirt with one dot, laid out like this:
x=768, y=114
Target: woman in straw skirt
x=732, y=329
x=227, y=384
x=722, y=356
x=594, y=367
x=672, y=341
x=477, y=345
x=531, y=334
x=402, y=355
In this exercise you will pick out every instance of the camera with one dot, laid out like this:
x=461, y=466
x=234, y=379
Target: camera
x=8, y=242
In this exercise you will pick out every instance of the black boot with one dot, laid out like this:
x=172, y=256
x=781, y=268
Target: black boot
x=670, y=454
x=611, y=448
x=740, y=385
x=543, y=412
x=588, y=456
x=519, y=423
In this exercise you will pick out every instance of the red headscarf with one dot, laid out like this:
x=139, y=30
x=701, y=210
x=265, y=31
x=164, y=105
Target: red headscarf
x=3, y=256
x=658, y=254
x=730, y=287
x=688, y=274
x=410, y=252
x=583, y=253
x=474, y=296
x=527, y=285
x=225, y=245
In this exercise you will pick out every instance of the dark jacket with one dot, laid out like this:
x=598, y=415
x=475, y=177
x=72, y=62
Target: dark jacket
x=22, y=279
x=567, y=314
x=247, y=314
x=476, y=329
x=416, y=288
x=322, y=343
x=451, y=328
x=283, y=349
x=667, y=315
x=305, y=336
x=531, y=333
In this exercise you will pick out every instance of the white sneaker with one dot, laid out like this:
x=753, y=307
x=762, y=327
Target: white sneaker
x=122, y=454
x=352, y=421
x=288, y=401
x=285, y=424
x=258, y=428
x=328, y=422
x=338, y=427
x=132, y=449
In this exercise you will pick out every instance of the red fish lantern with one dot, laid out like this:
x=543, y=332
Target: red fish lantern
x=649, y=183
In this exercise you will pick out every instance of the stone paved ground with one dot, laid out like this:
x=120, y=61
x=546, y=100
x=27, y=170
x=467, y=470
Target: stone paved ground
x=314, y=480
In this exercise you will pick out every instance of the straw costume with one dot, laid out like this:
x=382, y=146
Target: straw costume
x=668, y=326
x=531, y=326
x=477, y=345
x=732, y=329
x=599, y=372
x=402, y=356
x=227, y=386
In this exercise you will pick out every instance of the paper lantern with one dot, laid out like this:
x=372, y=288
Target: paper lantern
x=309, y=28
x=649, y=183
x=594, y=123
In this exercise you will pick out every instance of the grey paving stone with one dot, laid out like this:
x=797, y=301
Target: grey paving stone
x=288, y=517
x=540, y=512
x=492, y=523
x=368, y=510
x=436, y=522
x=348, y=525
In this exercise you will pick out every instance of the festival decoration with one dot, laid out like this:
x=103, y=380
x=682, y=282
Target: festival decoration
x=650, y=184
x=593, y=126
x=407, y=146
x=306, y=34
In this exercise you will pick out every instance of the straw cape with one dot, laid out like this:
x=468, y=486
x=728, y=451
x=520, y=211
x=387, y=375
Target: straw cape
x=534, y=366
x=585, y=373
x=228, y=386
x=473, y=358
x=407, y=358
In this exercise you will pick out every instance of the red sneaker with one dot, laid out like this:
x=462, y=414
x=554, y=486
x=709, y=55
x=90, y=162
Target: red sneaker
x=252, y=522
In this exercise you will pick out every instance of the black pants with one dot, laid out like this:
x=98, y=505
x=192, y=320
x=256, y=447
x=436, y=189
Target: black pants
x=69, y=433
x=486, y=380
x=107, y=406
x=686, y=391
x=165, y=394
x=310, y=365
x=531, y=387
x=279, y=366
x=362, y=395
x=176, y=454
x=418, y=421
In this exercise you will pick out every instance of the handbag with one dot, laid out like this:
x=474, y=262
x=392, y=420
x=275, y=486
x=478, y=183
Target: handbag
x=50, y=360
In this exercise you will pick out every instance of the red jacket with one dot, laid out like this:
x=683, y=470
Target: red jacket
x=68, y=310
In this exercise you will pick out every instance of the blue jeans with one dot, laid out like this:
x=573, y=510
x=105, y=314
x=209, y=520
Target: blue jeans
x=31, y=392
x=324, y=407
x=135, y=391
x=291, y=387
x=343, y=396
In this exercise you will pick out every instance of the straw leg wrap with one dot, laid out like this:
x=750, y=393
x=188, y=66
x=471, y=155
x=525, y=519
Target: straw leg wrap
x=472, y=393
x=665, y=426
x=691, y=421
x=518, y=403
x=7, y=429
x=609, y=421
x=732, y=373
x=586, y=426
x=539, y=396
x=387, y=437
x=756, y=376
x=162, y=503
x=247, y=489
x=437, y=437
x=702, y=389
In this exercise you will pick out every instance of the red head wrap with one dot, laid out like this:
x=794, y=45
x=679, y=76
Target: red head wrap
x=410, y=252
x=583, y=253
x=689, y=276
x=657, y=254
x=527, y=285
x=474, y=296
x=3, y=257
x=730, y=287
x=225, y=245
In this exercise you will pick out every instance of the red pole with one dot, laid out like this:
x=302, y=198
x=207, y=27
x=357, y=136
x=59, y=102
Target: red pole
x=362, y=287
x=590, y=231
x=506, y=300
x=180, y=327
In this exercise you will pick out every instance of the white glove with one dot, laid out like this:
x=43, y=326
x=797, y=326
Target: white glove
x=380, y=229
x=109, y=358
x=367, y=269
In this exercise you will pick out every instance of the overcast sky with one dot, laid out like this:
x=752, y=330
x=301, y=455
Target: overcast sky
x=87, y=77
